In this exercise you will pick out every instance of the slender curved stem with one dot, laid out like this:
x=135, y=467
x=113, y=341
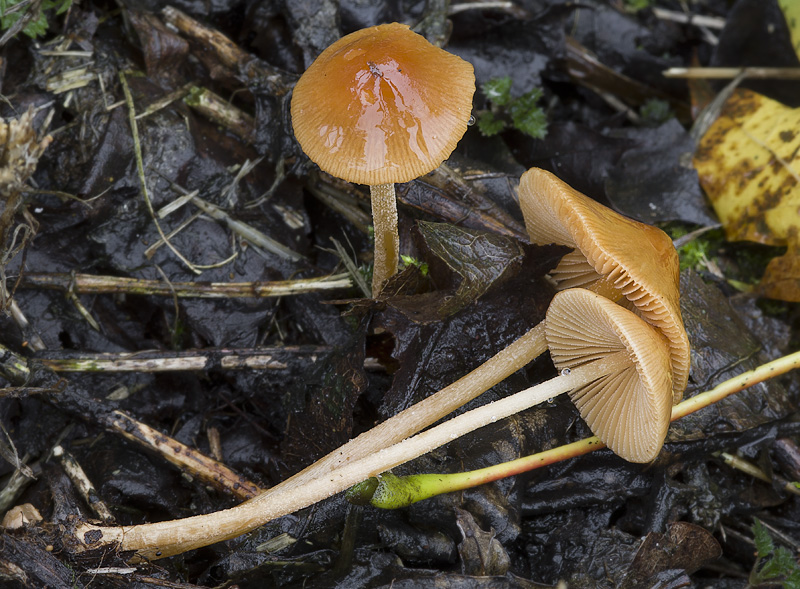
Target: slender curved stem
x=408, y=422
x=173, y=537
x=387, y=240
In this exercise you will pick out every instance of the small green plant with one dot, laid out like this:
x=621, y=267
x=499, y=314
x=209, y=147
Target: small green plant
x=411, y=261
x=655, y=111
x=774, y=566
x=11, y=11
x=522, y=113
x=695, y=253
x=636, y=5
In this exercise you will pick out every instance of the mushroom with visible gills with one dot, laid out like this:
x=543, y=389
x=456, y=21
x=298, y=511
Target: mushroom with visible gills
x=619, y=370
x=628, y=409
x=649, y=285
x=381, y=106
x=619, y=258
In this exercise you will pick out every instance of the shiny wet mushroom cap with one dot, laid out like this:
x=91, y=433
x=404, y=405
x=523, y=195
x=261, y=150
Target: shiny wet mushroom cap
x=382, y=105
x=629, y=409
x=612, y=254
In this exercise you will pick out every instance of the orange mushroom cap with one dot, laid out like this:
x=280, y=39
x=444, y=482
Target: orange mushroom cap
x=629, y=409
x=382, y=105
x=611, y=254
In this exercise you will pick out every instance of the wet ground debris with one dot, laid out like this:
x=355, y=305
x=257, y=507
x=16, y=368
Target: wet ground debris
x=263, y=385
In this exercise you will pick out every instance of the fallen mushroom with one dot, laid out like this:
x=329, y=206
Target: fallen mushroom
x=509, y=360
x=628, y=410
x=392, y=492
x=649, y=285
x=613, y=255
x=378, y=107
x=619, y=375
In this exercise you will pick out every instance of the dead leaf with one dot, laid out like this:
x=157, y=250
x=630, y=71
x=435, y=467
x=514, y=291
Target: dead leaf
x=481, y=553
x=745, y=163
x=479, y=257
x=791, y=11
x=684, y=547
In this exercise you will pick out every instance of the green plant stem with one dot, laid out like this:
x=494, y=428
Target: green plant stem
x=392, y=492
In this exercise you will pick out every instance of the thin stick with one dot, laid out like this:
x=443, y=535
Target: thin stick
x=82, y=483
x=245, y=231
x=219, y=111
x=266, y=358
x=94, y=284
x=209, y=471
x=728, y=73
x=751, y=469
x=227, y=52
x=699, y=20
x=137, y=149
x=737, y=383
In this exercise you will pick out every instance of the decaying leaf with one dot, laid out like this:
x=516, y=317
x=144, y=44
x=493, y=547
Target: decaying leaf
x=480, y=258
x=481, y=553
x=684, y=547
x=791, y=10
x=747, y=166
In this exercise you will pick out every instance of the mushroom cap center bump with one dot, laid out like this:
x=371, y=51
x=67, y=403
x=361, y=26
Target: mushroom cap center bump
x=382, y=105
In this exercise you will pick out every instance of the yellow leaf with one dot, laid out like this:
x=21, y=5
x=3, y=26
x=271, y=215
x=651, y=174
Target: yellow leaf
x=749, y=165
x=791, y=12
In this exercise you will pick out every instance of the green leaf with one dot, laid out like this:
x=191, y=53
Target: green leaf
x=498, y=90
x=37, y=26
x=490, y=125
x=655, y=111
x=793, y=580
x=527, y=116
x=779, y=565
x=412, y=261
x=637, y=5
x=762, y=539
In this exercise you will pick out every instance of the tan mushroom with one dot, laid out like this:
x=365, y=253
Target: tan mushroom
x=381, y=447
x=381, y=106
x=617, y=257
x=545, y=224
x=623, y=351
x=628, y=409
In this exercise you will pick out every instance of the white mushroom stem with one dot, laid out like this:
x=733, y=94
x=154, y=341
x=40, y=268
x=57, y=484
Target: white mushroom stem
x=431, y=409
x=387, y=240
x=157, y=540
